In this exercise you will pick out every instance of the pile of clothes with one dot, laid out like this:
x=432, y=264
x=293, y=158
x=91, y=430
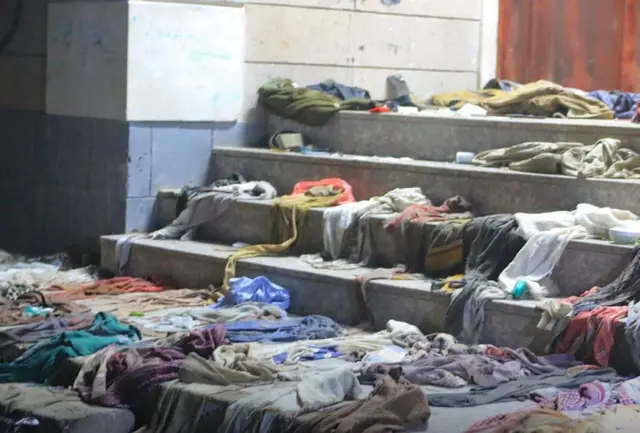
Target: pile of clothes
x=604, y=159
x=315, y=104
x=266, y=370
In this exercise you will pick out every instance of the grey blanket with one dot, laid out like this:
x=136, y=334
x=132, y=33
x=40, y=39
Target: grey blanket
x=492, y=243
x=520, y=389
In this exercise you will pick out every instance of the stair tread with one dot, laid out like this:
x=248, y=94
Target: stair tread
x=420, y=165
x=294, y=267
x=504, y=121
x=595, y=245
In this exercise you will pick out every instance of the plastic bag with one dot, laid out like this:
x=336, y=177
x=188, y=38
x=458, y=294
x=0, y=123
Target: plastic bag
x=259, y=289
x=338, y=184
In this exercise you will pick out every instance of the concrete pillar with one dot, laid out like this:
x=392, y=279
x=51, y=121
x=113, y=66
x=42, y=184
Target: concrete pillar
x=146, y=84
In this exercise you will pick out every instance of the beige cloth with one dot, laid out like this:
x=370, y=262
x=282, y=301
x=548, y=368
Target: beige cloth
x=620, y=419
x=544, y=98
x=123, y=305
x=616, y=419
x=232, y=365
x=606, y=158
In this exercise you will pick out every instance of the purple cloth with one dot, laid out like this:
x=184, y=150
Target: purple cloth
x=204, y=341
x=133, y=372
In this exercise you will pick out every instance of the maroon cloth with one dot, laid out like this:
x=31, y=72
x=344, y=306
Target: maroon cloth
x=204, y=341
x=133, y=372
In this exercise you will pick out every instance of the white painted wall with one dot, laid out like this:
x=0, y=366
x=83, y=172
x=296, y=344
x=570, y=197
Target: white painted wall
x=438, y=45
x=145, y=61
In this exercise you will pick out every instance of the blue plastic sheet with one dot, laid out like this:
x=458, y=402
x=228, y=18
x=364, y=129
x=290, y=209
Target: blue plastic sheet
x=259, y=289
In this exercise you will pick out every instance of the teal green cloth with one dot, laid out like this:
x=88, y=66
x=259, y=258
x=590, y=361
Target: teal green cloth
x=41, y=362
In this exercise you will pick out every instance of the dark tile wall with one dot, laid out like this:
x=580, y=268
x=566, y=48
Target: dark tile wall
x=64, y=179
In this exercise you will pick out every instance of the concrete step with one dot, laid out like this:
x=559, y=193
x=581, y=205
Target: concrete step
x=335, y=293
x=491, y=190
x=318, y=291
x=438, y=138
x=583, y=265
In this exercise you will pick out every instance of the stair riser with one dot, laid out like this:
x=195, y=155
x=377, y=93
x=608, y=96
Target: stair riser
x=194, y=271
x=491, y=192
x=581, y=266
x=439, y=138
x=327, y=295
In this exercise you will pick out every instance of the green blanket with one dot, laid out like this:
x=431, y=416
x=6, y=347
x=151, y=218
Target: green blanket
x=281, y=97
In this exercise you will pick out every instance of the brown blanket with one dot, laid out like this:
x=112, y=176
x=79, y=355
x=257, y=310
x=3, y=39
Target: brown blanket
x=544, y=98
x=392, y=407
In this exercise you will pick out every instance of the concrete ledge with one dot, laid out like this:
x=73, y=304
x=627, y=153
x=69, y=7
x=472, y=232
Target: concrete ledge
x=438, y=138
x=331, y=293
x=490, y=190
x=197, y=265
x=583, y=265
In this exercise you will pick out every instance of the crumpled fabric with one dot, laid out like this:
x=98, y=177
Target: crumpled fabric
x=456, y=207
x=553, y=310
x=346, y=227
x=283, y=97
x=393, y=406
x=123, y=251
x=555, y=317
x=537, y=420
x=341, y=91
x=604, y=159
x=259, y=289
x=231, y=365
x=462, y=365
x=494, y=242
x=211, y=203
x=121, y=377
x=504, y=85
x=535, y=263
x=304, y=328
x=548, y=235
x=597, y=325
x=288, y=216
x=359, y=248
x=117, y=377
x=632, y=332
x=588, y=220
x=623, y=104
x=17, y=279
x=544, y=98
x=336, y=221
x=589, y=397
x=520, y=388
x=41, y=362
x=244, y=311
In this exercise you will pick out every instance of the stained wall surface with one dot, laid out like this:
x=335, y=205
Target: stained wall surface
x=586, y=44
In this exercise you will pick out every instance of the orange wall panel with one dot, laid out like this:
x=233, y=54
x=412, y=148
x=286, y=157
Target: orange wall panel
x=588, y=44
